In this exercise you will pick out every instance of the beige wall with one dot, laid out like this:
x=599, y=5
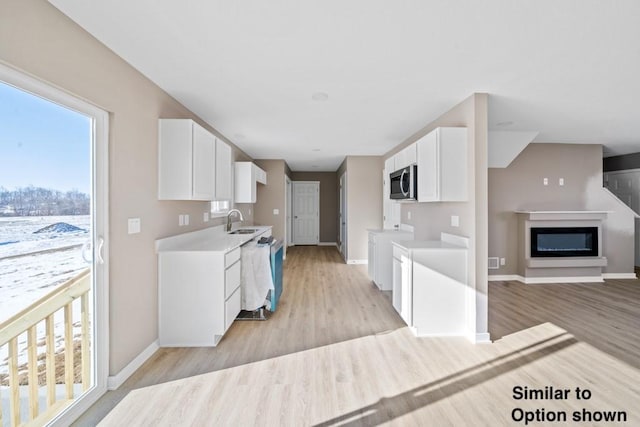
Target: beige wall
x=430, y=219
x=272, y=196
x=520, y=187
x=364, y=201
x=328, y=202
x=37, y=38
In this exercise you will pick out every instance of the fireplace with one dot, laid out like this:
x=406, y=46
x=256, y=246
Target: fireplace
x=564, y=242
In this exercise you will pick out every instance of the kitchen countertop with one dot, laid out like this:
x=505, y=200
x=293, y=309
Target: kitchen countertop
x=427, y=244
x=208, y=240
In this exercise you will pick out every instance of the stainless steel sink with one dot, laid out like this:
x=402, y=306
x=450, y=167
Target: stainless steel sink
x=243, y=231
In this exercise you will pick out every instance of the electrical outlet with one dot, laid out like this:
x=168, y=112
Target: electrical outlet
x=134, y=225
x=545, y=181
x=561, y=182
x=205, y=217
x=180, y=220
x=408, y=214
x=186, y=219
x=276, y=211
x=455, y=221
x=503, y=261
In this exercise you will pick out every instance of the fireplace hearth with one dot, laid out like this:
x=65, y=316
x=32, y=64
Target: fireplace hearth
x=564, y=242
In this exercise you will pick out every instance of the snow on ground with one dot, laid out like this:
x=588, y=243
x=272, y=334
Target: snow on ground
x=32, y=265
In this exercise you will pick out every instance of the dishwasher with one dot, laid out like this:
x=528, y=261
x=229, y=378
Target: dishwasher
x=275, y=261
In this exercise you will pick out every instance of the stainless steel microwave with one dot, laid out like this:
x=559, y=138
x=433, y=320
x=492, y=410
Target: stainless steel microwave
x=404, y=183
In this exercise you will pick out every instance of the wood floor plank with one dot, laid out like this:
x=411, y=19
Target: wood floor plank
x=337, y=353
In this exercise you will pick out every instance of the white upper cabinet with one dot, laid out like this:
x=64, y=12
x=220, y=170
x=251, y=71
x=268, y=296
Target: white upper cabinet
x=405, y=157
x=186, y=161
x=247, y=177
x=442, y=165
x=224, y=179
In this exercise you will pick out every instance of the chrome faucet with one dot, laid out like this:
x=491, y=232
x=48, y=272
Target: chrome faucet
x=232, y=211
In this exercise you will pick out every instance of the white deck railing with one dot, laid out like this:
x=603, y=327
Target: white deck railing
x=27, y=321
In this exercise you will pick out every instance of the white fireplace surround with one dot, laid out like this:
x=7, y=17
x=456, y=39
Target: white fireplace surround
x=545, y=269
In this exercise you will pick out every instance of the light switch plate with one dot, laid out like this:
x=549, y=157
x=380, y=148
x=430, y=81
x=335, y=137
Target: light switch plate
x=276, y=211
x=561, y=182
x=180, y=220
x=134, y=225
x=545, y=181
x=186, y=219
x=205, y=217
x=455, y=221
x=408, y=214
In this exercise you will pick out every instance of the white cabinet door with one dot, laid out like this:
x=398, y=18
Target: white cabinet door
x=224, y=179
x=186, y=161
x=428, y=168
x=397, y=284
x=402, y=286
x=204, y=177
x=442, y=165
x=372, y=258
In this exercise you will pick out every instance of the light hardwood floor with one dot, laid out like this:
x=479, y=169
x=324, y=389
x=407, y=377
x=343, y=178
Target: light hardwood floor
x=336, y=353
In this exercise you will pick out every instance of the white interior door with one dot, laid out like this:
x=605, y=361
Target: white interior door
x=288, y=195
x=306, y=212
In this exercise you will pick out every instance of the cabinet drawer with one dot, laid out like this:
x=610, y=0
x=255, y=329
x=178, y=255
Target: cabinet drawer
x=231, y=257
x=232, y=279
x=231, y=308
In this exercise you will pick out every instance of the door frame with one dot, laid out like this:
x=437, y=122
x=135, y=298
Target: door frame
x=287, y=213
x=343, y=216
x=293, y=184
x=100, y=213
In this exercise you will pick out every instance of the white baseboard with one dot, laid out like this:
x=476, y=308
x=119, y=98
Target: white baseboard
x=548, y=280
x=113, y=382
x=358, y=261
x=481, y=338
x=503, y=277
x=328, y=244
x=619, y=276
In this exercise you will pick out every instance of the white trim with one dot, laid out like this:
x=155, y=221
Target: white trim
x=631, y=276
x=115, y=381
x=481, y=338
x=546, y=280
x=504, y=278
x=357, y=261
x=327, y=244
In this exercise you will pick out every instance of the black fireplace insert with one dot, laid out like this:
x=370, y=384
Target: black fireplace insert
x=564, y=241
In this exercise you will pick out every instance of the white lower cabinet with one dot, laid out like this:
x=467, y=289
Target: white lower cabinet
x=199, y=296
x=402, y=284
x=430, y=286
x=380, y=256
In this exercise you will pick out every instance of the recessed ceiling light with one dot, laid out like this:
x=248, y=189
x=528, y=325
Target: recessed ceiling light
x=316, y=149
x=502, y=124
x=320, y=96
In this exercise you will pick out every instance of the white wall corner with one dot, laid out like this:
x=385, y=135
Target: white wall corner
x=115, y=381
x=504, y=146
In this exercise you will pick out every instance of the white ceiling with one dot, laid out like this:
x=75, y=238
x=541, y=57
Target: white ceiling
x=568, y=69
